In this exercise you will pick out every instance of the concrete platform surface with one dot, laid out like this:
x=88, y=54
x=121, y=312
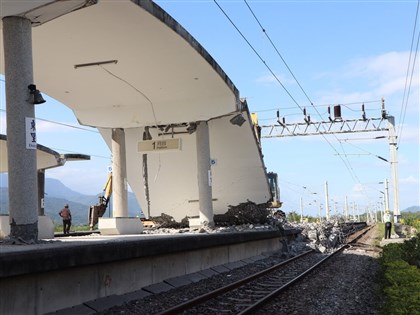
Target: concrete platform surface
x=102, y=271
x=385, y=242
x=69, y=252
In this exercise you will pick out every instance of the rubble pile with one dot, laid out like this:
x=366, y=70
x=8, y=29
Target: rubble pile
x=167, y=221
x=326, y=236
x=244, y=213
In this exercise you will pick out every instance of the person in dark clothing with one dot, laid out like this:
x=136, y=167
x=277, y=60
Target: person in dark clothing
x=388, y=224
x=66, y=215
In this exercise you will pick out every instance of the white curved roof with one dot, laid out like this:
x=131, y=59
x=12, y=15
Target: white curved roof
x=128, y=64
x=157, y=73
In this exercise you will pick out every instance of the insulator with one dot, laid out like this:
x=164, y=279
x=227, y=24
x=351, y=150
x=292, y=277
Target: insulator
x=278, y=114
x=304, y=111
x=337, y=112
x=284, y=120
x=363, y=107
x=329, y=110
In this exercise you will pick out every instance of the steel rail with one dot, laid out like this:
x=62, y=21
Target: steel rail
x=273, y=294
x=210, y=295
x=215, y=293
x=276, y=292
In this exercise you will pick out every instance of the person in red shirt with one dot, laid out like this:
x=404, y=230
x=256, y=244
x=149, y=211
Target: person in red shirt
x=66, y=215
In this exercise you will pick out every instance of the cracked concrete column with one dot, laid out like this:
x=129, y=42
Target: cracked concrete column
x=119, y=174
x=23, y=191
x=204, y=174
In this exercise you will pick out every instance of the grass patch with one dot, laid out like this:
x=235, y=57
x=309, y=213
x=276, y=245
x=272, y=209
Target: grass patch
x=401, y=277
x=74, y=228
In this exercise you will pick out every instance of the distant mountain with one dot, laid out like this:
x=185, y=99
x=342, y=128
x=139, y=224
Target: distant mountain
x=57, y=195
x=412, y=209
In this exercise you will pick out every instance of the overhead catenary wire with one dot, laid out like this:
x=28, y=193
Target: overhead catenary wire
x=258, y=55
x=94, y=130
x=326, y=105
x=71, y=151
x=366, y=151
x=346, y=164
x=406, y=93
x=277, y=51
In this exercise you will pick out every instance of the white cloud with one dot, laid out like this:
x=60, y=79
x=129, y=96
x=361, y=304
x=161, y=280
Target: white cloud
x=409, y=180
x=371, y=78
x=383, y=67
x=409, y=134
x=270, y=79
x=358, y=188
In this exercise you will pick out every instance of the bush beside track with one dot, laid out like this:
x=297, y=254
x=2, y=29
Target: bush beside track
x=401, y=277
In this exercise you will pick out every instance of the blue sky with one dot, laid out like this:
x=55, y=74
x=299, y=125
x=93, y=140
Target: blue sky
x=341, y=52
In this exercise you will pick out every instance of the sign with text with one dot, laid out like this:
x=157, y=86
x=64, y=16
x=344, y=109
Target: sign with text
x=30, y=133
x=159, y=145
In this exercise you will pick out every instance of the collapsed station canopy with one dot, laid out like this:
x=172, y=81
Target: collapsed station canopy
x=46, y=158
x=128, y=64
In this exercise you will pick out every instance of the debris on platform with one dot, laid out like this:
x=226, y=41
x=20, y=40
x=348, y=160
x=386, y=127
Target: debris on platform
x=167, y=221
x=244, y=213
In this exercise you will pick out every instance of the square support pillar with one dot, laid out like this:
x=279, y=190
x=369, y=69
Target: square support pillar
x=120, y=226
x=45, y=227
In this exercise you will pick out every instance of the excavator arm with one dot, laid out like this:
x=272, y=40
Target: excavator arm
x=98, y=210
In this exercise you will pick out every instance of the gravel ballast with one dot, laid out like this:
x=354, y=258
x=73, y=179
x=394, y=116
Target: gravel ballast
x=348, y=284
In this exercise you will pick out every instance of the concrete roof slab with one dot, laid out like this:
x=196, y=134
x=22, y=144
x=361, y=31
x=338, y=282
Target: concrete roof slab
x=238, y=174
x=46, y=157
x=129, y=64
x=41, y=11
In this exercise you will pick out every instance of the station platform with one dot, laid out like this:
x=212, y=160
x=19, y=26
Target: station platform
x=395, y=239
x=71, y=271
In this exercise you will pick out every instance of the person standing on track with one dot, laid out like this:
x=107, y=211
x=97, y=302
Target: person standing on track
x=388, y=224
x=66, y=215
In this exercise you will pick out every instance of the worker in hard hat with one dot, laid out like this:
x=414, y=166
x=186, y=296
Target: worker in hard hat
x=388, y=224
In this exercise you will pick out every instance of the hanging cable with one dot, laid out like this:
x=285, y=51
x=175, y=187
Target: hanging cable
x=324, y=105
x=257, y=54
x=407, y=90
x=63, y=124
x=277, y=51
x=347, y=165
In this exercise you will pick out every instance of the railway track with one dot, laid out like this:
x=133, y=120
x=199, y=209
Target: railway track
x=249, y=294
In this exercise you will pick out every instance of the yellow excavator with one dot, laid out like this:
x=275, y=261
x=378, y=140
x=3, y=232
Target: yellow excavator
x=98, y=210
x=275, y=191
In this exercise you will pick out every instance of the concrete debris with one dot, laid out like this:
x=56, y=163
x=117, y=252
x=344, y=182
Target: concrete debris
x=244, y=213
x=167, y=221
x=324, y=237
x=208, y=230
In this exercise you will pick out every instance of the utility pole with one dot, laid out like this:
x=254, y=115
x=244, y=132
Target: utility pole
x=358, y=214
x=301, y=210
x=386, y=195
x=394, y=167
x=319, y=212
x=346, y=210
x=327, y=205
